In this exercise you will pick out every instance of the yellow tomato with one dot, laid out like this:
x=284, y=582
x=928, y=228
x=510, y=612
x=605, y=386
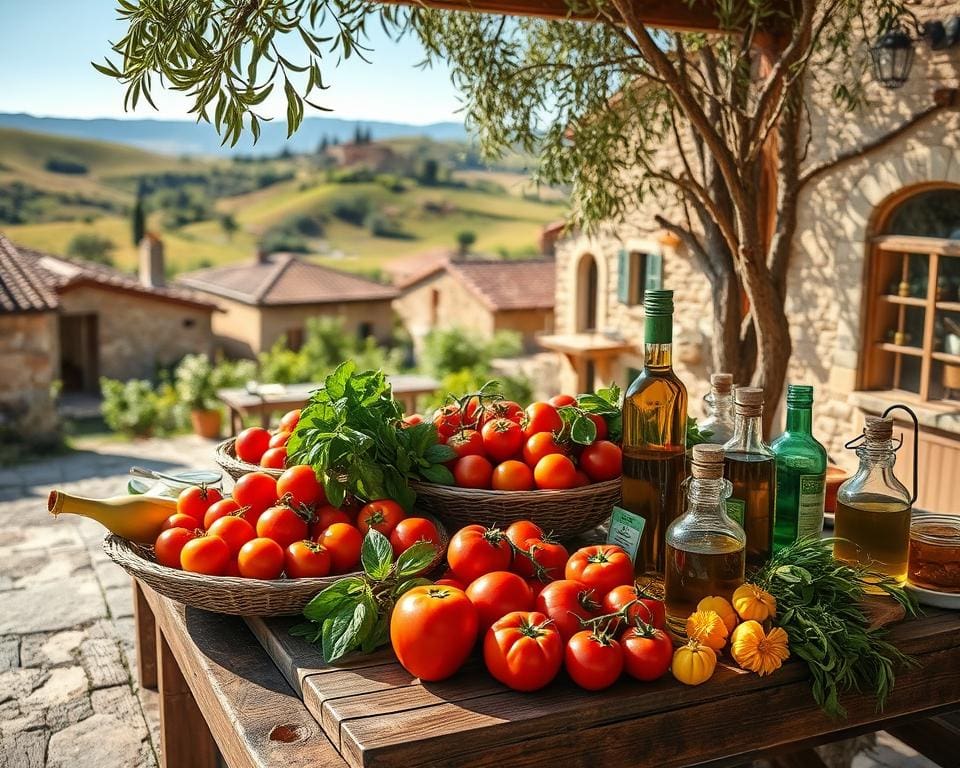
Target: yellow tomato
x=720, y=606
x=693, y=663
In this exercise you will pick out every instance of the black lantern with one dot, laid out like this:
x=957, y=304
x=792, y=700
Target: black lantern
x=892, y=58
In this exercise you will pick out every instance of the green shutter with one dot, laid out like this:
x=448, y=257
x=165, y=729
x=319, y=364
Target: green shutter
x=623, y=277
x=653, y=280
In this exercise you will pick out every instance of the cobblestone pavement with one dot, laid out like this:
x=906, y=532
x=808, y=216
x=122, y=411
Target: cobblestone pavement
x=68, y=696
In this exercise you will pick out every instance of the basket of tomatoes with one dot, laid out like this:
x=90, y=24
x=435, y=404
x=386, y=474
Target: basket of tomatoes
x=267, y=549
x=557, y=462
x=257, y=449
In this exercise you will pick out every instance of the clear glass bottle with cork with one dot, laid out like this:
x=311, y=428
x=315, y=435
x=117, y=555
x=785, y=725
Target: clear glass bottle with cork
x=750, y=466
x=705, y=548
x=717, y=425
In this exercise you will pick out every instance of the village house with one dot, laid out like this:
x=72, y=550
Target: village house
x=873, y=281
x=272, y=296
x=478, y=295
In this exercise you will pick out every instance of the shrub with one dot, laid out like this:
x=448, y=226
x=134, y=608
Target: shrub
x=194, y=383
x=65, y=165
x=352, y=209
x=460, y=383
x=282, y=240
x=465, y=239
x=381, y=225
x=130, y=407
x=92, y=247
x=447, y=350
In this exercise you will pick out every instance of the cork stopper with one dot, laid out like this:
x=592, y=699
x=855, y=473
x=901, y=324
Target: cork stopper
x=748, y=401
x=878, y=430
x=707, y=461
x=721, y=383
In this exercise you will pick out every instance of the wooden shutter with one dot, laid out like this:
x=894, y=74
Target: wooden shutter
x=623, y=277
x=653, y=279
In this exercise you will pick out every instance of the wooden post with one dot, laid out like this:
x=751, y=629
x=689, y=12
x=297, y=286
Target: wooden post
x=185, y=739
x=145, y=627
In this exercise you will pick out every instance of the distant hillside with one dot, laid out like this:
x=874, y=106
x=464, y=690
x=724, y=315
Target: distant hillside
x=181, y=137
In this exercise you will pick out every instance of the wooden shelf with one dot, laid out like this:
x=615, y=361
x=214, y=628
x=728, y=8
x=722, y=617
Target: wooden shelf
x=910, y=301
x=946, y=357
x=901, y=349
x=949, y=306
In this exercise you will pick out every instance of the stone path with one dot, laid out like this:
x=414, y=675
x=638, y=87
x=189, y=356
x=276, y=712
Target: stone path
x=68, y=697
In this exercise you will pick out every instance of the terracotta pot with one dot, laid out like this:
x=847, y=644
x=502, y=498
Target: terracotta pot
x=206, y=423
x=835, y=477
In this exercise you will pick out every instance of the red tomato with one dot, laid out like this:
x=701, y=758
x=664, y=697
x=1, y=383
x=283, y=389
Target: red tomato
x=472, y=472
x=289, y=420
x=432, y=631
x=498, y=593
x=447, y=421
x=502, y=439
x=208, y=555
x=601, y=461
x=233, y=569
x=180, y=521
x=301, y=483
x=558, y=401
x=451, y=583
x=550, y=556
x=539, y=445
x=502, y=409
x=306, y=559
x=581, y=479
x=554, y=472
x=256, y=490
x=475, y=550
x=274, y=458
x=600, y=567
x=382, y=514
x=469, y=442
x=593, y=662
x=523, y=651
x=251, y=444
x=196, y=500
x=566, y=602
x=343, y=542
x=601, y=425
x=541, y=417
x=279, y=440
x=412, y=530
x=283, y=525
x=656, y=611
x=470, y=412
x=222, y=508
x=235, y=531
x=326, y=516
x=512, y=475
x=411, y=421
x=536, y=587
x=522, y=530
x=647, y=609
x=647, y=652
x=260, y=559
x=170, y=543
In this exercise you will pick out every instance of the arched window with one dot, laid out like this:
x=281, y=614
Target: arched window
x=588, y=290
x=913, y=298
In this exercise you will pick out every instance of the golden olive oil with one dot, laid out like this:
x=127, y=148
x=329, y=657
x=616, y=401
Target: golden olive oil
x=652, y=483
x=691, y=575
x=754, y=481
x=875, y=533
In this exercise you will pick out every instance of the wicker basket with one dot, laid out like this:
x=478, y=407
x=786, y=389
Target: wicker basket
x=564, y=513
x=225, y=455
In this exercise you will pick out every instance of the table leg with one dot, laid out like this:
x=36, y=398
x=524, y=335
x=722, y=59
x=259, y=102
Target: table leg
x=146, y=638
x=236, y=422
x=185, y=739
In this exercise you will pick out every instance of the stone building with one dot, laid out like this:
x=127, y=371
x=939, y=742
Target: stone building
x=273, y=296
x=478, y=295
x=873, y=280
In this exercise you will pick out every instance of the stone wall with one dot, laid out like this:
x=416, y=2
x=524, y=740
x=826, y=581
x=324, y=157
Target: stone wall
x=28, y=360
x=456, y=307
x=138, y=334
x=279, y=320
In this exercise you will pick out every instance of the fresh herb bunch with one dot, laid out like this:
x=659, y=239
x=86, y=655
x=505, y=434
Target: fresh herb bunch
x=350, y=433
x=354, y=612
x=819, y=604
x=604, y=403
x=694, y=435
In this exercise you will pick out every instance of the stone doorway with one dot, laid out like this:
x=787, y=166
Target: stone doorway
x=79, y=353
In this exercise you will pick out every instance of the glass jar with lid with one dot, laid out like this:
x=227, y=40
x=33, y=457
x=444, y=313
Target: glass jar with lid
x=934, y=558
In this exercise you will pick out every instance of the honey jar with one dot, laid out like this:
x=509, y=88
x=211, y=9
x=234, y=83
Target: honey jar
x=934, y=560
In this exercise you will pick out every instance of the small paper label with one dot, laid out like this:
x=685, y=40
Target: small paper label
x=626, y=530
x=813, y=489
x=736, y=509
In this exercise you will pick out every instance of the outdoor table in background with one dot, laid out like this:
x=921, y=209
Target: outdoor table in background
x=274, y=702
x=271, y=398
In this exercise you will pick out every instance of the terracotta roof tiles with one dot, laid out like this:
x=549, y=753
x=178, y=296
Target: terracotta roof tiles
x=23, y=288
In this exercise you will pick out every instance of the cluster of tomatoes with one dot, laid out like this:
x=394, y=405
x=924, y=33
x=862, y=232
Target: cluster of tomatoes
x=535, y=609
x=256, y=445
x=500, y=445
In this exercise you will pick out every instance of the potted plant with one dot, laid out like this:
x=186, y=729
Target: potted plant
x=196, y=389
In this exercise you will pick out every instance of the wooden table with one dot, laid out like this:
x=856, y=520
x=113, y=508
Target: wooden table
x=275, y=397
x=274, y=702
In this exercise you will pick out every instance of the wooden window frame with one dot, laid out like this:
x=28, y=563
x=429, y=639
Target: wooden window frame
x=634, y=274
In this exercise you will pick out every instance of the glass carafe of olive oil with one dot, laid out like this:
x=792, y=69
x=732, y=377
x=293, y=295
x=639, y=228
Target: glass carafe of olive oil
x=705, y=548
x=872, y=522
x=718, y=423
x=750, y=466
x=655, y=434
x=801, y=472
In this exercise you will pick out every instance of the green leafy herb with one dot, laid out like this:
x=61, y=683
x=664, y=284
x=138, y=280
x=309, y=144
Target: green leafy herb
x=604, y=403
x=694, y=435
x=350, y=433
x=354, y=612
x=819, y=605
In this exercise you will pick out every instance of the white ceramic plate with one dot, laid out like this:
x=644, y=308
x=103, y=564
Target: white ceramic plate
x=935, y=599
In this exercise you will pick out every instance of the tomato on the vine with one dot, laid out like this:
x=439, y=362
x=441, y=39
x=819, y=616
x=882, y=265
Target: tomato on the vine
x=554, y=472
x=412, y=530
x=536, y=587
x=382, y=514
x=235, y=531
x=251, y=444
x=279, y=440
x=539, y=445
x=522, y=530
x=301, y=484
x=467, y=442
x=512, y=475
x=343, y=542
x=647, y=609
x=472, y=472
x=306, y=559
x=566, y=602
x=447, y=420
x=502, y=439
x=274, y=458
x=593, y=661
x=550, y=556
x=475, y=550
x=601, y=567
x=222, y=508
x=523, y=650
x=558, y=401
x=170, y=543
x=283, y=525
x=196, y=500
x=206, y=554
x=602, y=460
x=289, y=420
x=260, y=559
x=502, y=409
x=326, y=516
x=541, y=417
x=432, y=630
x=497, y=593
x=647, y=652
x=257, y=491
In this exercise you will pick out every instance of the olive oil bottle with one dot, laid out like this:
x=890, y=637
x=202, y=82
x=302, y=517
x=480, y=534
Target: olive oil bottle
x=705, y=549
x=750, y=466
x=718, y=422
x=655, y=435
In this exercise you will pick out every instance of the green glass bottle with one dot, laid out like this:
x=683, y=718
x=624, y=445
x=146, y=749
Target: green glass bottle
x=801, y=472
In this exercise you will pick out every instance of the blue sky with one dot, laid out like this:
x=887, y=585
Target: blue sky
x=48, y=45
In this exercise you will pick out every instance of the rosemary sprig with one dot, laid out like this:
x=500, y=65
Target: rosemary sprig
x=819, y=606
